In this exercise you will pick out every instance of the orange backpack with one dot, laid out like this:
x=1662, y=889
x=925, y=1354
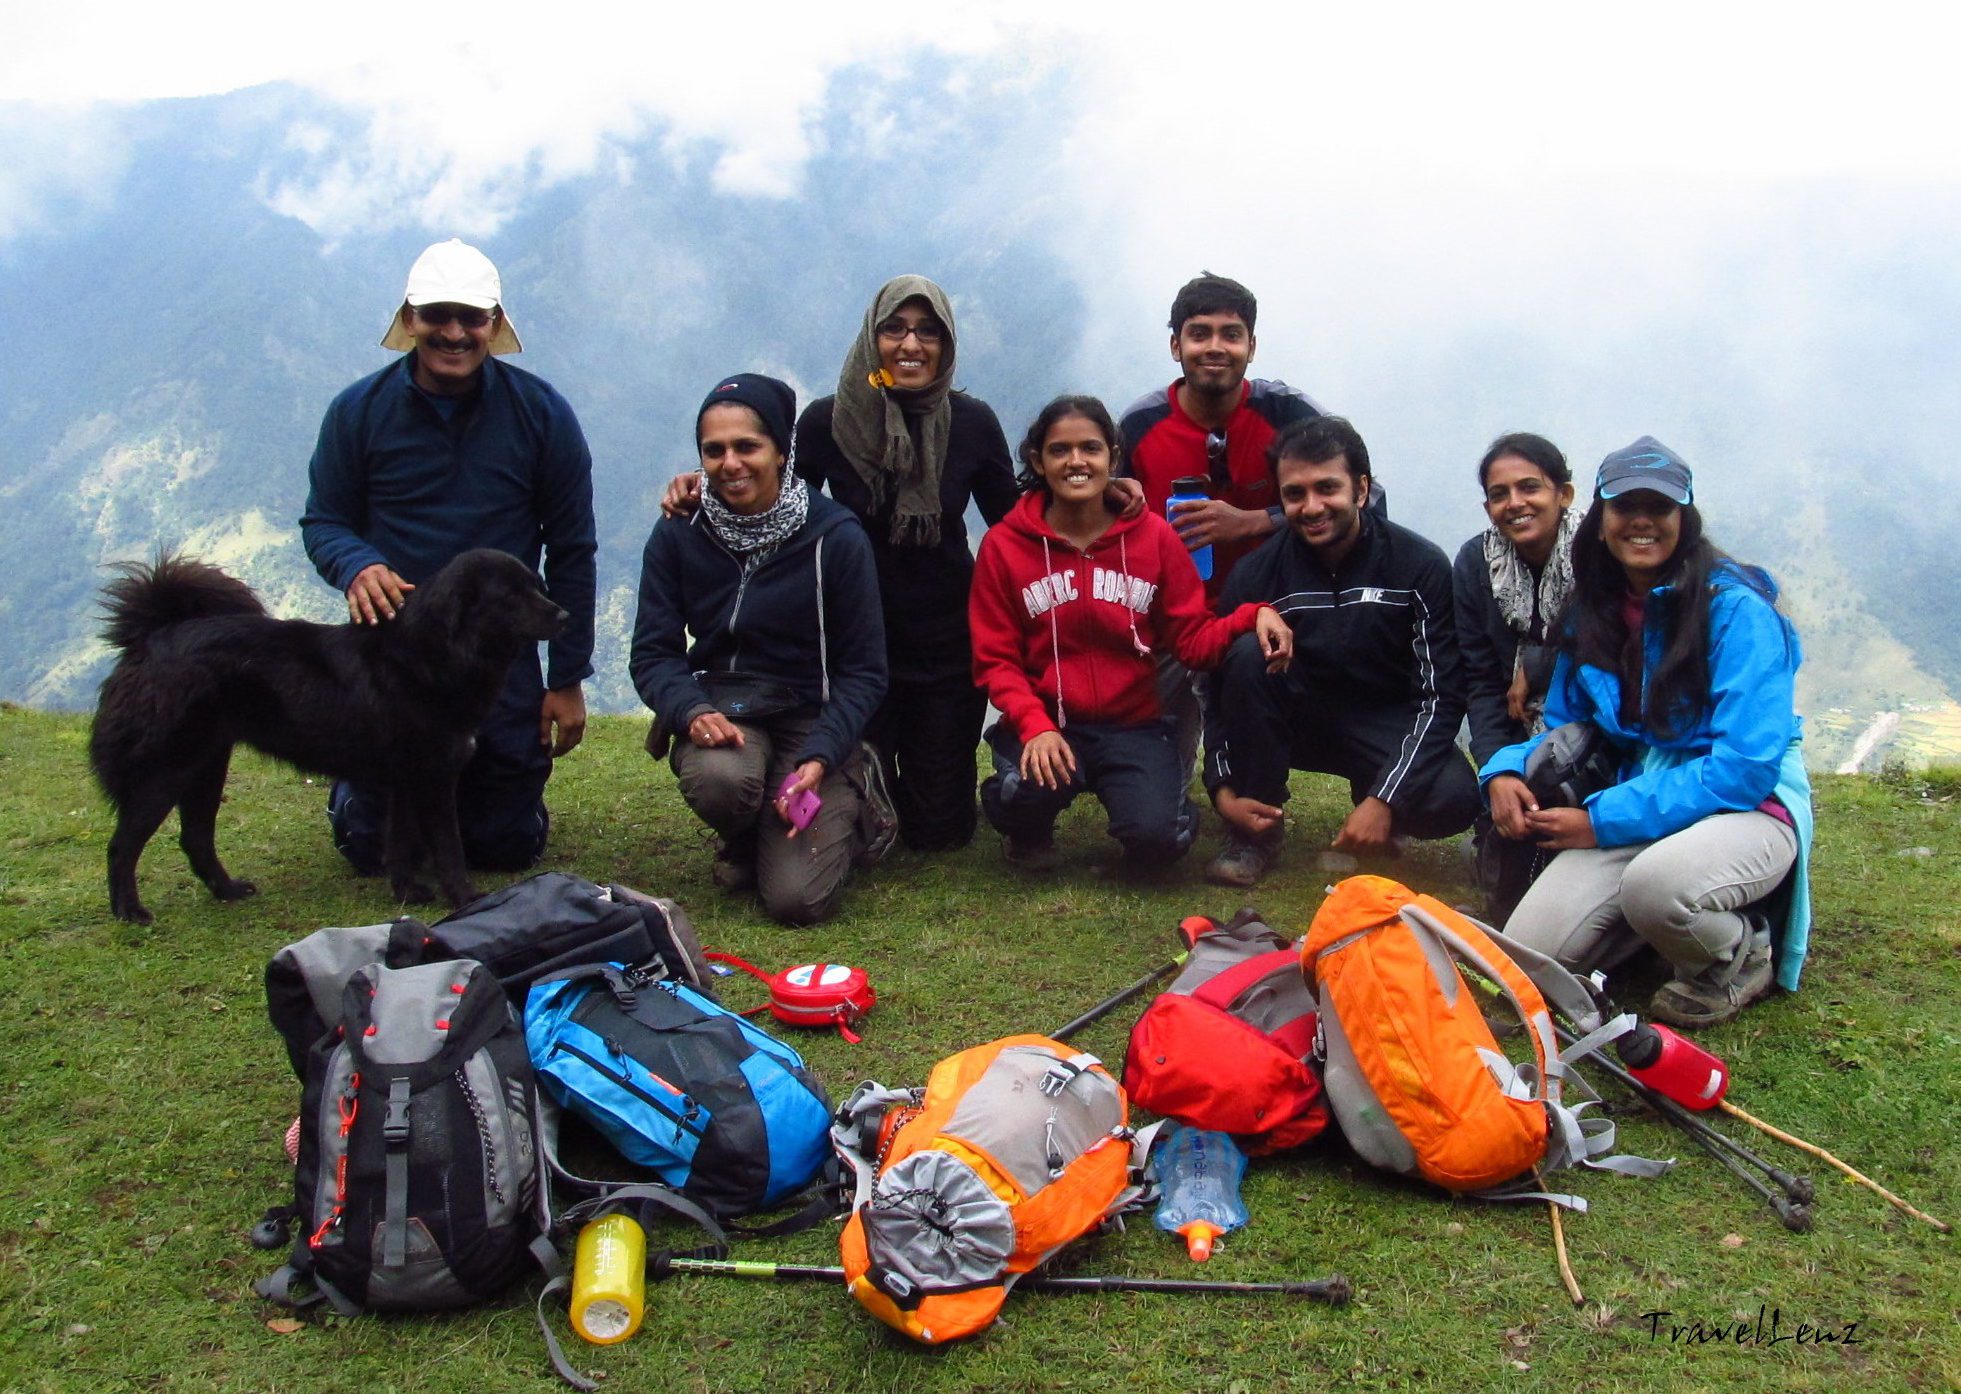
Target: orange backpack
x=1012, y=1149
x=1413, y=1074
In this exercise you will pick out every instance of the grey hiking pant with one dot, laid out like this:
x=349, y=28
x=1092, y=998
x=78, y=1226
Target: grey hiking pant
x=1594, y=907
x=733, y=790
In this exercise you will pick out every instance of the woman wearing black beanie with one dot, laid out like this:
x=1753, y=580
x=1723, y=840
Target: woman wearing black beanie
x=768, y=705
x=906, y=452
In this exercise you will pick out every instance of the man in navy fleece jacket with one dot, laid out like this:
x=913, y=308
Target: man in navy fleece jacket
x=444, y=450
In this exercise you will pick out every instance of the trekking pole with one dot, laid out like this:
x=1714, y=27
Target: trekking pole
x=1822, y=1155
x=1798, y=1188
x=1335, y=1291
x=1792, y=1207
x=1110, y=1004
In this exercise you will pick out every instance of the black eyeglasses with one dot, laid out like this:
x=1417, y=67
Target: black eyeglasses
x=465, y=315
x=926, y=331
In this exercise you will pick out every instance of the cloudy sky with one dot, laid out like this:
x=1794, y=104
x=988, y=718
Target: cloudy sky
x=1598, y=191
x=1763, y=90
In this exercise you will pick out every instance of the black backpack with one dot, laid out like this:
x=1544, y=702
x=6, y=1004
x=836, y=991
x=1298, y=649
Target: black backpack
x=418, y=1182
x=557, y=921
x=536, y=927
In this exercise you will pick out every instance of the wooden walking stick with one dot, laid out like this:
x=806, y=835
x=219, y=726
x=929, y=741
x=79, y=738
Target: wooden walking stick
x=1559, y=1247
x=1822, y=1155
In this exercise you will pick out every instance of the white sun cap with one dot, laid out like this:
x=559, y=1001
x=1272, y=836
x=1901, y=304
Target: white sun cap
x=454, y=273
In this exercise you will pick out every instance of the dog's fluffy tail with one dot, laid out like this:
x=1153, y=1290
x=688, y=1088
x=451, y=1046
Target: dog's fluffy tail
x=148, y=596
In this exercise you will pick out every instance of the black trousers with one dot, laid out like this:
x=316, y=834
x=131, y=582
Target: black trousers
x=1132, y=770
x=926, y=733
x=500, y=797
x=1275, y=722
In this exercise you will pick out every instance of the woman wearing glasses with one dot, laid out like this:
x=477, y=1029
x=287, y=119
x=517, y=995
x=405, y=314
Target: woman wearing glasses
x=899, y=447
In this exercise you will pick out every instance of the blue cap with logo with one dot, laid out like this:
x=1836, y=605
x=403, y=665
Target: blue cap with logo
x=1646, y=464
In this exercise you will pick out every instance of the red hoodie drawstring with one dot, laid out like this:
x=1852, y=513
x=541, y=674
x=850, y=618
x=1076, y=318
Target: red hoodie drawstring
x=1055, y=641
x=1123, y=562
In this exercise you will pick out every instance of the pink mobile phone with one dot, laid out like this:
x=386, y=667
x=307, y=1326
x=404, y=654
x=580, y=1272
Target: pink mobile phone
x=803, y=805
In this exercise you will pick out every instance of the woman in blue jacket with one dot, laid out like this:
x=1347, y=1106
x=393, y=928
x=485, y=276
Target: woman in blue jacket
x=1678, y=656
x=776, y=588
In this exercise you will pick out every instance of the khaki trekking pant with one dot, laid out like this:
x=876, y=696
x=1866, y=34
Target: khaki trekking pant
x=1594, y=907
x=733, y=790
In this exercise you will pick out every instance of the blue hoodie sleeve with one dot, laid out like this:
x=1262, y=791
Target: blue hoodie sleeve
x=854, y=644
x=1566, y=700
x=1752, y=676
x=659, y=659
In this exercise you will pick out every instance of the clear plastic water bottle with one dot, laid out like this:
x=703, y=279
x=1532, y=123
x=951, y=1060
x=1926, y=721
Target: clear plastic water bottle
x=1199, y=1172
x=1185, y=490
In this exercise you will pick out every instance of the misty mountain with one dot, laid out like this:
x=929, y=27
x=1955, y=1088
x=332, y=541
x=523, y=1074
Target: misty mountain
x=168, y=342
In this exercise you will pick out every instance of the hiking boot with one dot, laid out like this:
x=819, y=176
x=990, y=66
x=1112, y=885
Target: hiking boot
x=1031, y=853
x=1244, y=859
x=878, y=818
x=1720, y=991
x=735, y=864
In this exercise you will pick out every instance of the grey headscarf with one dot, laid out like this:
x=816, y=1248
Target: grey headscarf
x=873, y=424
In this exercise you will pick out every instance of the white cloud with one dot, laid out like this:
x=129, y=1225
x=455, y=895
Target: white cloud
x=54, y=161
x=455, y=115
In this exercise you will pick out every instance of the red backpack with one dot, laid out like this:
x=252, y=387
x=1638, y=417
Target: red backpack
x=1229, y=1046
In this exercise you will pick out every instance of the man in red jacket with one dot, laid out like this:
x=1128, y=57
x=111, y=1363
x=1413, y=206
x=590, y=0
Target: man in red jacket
x=1213, y=424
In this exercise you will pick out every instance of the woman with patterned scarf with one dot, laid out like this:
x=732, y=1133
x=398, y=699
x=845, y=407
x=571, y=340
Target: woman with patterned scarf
x=760, y=648
x=1509, y=583
x=906, y=453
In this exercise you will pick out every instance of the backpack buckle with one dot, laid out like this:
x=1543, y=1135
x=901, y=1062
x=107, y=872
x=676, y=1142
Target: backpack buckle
x=395, y=1122
x=1062, y=1073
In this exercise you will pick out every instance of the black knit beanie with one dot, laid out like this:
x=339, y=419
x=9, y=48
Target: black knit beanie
x=770, y=399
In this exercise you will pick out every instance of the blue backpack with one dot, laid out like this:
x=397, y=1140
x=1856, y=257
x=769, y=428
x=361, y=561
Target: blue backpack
x=719, y=1109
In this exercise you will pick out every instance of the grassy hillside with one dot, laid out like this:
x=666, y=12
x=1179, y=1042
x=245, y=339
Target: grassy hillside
x=144, y=1099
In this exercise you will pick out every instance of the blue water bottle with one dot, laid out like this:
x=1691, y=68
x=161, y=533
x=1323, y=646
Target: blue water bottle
x=1191, y=486
x=1199, y=1172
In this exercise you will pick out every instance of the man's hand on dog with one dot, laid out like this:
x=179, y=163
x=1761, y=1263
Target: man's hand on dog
x=377, y=593
x=562, y=718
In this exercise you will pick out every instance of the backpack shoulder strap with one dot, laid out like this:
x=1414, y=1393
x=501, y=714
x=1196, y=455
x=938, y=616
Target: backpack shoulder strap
x=1222, y=989
x=855, y=1129
x=1471, y=944
x=643, y=1202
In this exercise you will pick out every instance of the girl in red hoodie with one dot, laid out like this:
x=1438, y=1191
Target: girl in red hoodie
x=1068, y=606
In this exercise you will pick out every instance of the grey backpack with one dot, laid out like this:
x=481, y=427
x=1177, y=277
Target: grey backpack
x=417, y=1186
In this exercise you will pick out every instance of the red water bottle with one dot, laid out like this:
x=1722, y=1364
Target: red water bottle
x=1673, y=1065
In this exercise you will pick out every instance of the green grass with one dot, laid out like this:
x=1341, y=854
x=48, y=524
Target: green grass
x=144, y=1097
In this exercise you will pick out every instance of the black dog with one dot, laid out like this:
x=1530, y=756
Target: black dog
x=396, y=705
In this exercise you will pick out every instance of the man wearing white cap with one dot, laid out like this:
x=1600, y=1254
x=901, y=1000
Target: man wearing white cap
x=443, y=450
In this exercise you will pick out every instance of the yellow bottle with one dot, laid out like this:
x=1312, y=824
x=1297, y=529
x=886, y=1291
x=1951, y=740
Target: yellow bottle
x=609, y=1279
